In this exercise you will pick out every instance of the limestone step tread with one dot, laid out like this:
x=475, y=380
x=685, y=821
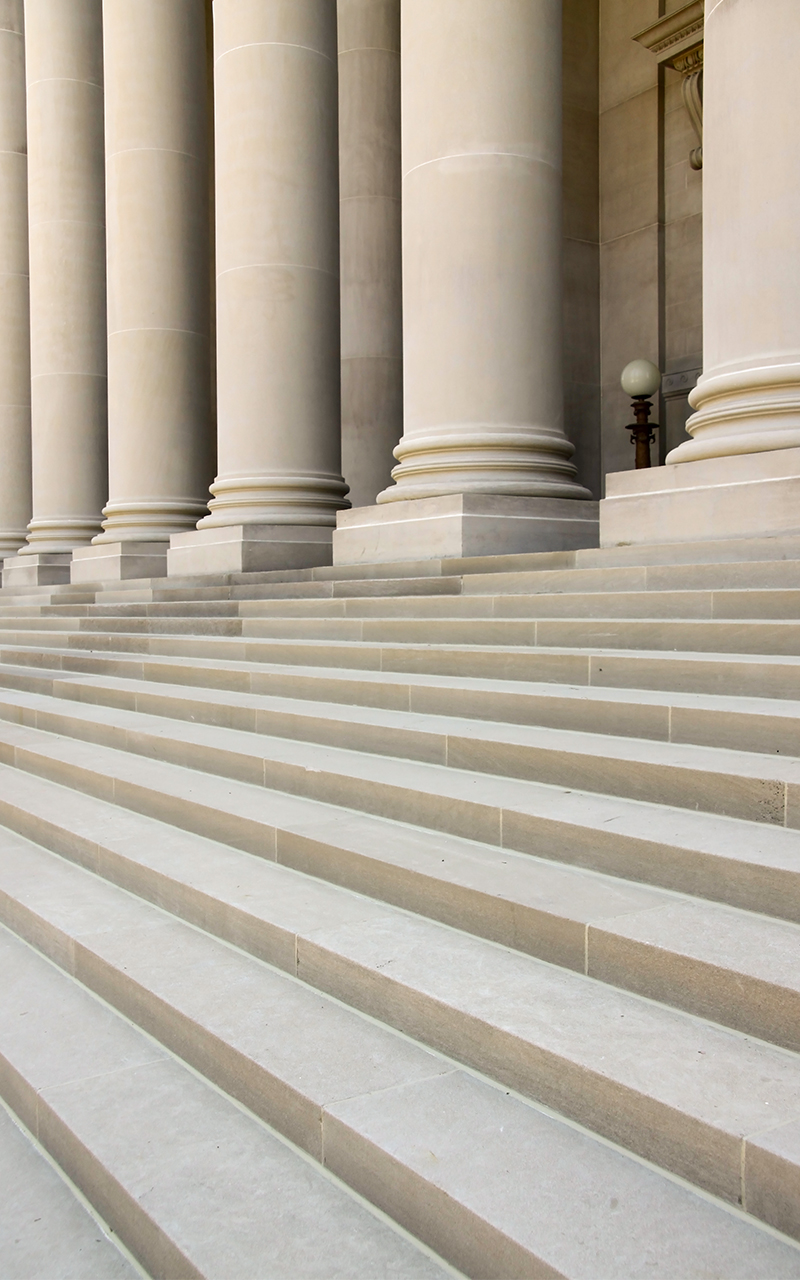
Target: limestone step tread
x=776, y=636
x=755, y=602
x=45, y=1231
x=753, y=865
x=682, y=1093
x=758, y=675
x=169, y=1161
x=714, y=720
x=625, y=1218
x=736, y=783
x=742, y=635
x=737, y=968
x=657, y=712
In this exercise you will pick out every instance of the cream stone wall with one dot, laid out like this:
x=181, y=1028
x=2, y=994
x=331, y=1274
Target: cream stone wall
x=630, y=214
x=682, y=309
x=581, y=28
x=650, y=230
x=370, y=243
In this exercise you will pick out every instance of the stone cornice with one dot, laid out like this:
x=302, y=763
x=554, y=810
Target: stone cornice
x=676, y=36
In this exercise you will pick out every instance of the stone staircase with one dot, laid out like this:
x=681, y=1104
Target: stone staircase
x=405, y=923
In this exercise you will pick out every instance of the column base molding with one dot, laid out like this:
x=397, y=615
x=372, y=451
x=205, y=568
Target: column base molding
x=60, y=534
x=751, y=495
x=36, y=569
x=249, y=548
x=118, y=561
x=461, y=525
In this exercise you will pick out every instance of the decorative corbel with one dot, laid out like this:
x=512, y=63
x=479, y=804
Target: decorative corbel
x=677, y=42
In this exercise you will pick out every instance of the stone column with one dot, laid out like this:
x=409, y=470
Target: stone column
x=484, y=444
x=160, y=442
x=739, y=475
x=748, y=399
x=15, y=383
x=371, y=260
x=66, y=201
x=277, y=256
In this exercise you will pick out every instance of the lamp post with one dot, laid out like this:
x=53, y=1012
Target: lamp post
x=640, y=380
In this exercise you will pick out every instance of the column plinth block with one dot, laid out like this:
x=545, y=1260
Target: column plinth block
x=36, y=569
x=747, y=495
x=461, y=525
x=249, y=548
x=119, y=561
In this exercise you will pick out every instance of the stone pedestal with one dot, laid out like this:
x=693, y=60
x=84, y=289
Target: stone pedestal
x=37, y=569
x=742, y=496
x=119, y=561
x=460, y=525
x=249, y=548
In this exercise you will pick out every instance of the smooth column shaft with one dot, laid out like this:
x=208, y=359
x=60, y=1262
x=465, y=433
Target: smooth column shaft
x=748, y=399
x=160, y=441
x=15, y=383
x=66, y=194
x=482, y=234
x=371, y=257
x=277, y=252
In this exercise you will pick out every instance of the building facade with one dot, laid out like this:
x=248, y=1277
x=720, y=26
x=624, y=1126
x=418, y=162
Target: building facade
x=279, y=254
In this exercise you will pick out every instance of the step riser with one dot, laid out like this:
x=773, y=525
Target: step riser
x=708, y=1157
x=703, y=726
x=147, y=1241
x=770, y=890
x=664, y=673
x=757, y=1008
x=755, y=604
x=443, y=1223
x=779, y=638
x=752, y=799
x=168, y=1160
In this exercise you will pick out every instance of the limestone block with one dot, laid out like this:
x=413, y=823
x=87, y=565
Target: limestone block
x=115, y=561
x=746, y=495
x=249, y=548
x=36, y=569
x=466, y=524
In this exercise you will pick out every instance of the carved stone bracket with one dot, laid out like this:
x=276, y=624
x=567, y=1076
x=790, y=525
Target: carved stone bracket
x=677, y=42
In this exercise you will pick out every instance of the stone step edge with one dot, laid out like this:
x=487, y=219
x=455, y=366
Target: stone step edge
x=221, y=676
x=762, y=790
x=694, y=1215
x=589, y=942
x=748, y=1003
x=396, y=730
x=94, y=1222
x=320, y=607
x=563, y=665
x=149, y=1234
x=694, y=1148
x=82, y=675
x=769, y=886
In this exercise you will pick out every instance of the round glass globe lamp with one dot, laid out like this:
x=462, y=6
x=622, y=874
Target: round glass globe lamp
x=640, y=379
